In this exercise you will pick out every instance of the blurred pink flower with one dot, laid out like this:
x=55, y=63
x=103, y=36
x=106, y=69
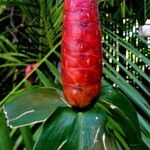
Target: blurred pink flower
x=28, y=70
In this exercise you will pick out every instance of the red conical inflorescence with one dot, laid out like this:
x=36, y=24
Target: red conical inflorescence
x=81, y=52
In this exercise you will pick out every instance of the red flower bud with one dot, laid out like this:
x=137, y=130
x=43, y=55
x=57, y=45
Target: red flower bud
x=28, y=70
x=81, y=52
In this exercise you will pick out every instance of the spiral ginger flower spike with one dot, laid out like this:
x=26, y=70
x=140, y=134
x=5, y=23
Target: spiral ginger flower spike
x=81, y=52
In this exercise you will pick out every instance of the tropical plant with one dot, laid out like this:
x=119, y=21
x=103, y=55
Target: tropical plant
x=30, y=33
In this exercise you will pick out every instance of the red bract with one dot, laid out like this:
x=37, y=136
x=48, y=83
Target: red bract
x=28, y=70
x=81, y=52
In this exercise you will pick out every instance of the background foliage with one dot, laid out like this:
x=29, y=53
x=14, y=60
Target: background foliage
x=30, y=32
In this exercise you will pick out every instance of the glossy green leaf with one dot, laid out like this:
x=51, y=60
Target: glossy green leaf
x=109, y=143
x=118, y=99
x=123, y=113
x=70, y=130
x=32, y=106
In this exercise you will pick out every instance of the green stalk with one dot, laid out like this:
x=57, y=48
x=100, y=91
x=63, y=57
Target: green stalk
x=27, y=137
x=5, y=141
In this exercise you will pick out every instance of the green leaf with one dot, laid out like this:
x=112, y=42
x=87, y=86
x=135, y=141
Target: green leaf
x=109, y=142
x=70, y=130
x=54, y=70
x=128, y=90
x=5, y=40
x=115, y=97
x=27, y=137
x=8, y=57
x=134, y=78
x=123, y=113
x=46, y=81
x=126, y=45
x=5, y=141
x=133, y=65
x=32, y=106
